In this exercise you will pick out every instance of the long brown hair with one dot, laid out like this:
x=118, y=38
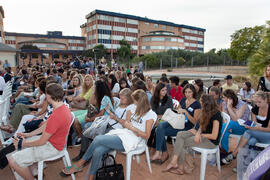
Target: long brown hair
x=209, y=108
x=143, y=105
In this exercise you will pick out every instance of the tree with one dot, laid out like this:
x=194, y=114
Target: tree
x=99, y=50
x=261, y=58
x=124, y=52
x=29, y=47
x=245, y=42
x=151, y=59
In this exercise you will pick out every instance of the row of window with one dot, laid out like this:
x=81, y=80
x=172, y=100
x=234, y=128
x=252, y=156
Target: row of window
x=193, y=45
x=76, y=41
x=75, y=48
x=192, y=31
x=160, y=47
x=55, y=46
x=162, y=33
x=13, y=38
x=10, y=42
x=116, y=37
x=193, y=38
x=148, y=39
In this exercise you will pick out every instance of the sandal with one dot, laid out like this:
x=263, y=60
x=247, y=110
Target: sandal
x=160, y=161
x=68, y=168
x=176, y=171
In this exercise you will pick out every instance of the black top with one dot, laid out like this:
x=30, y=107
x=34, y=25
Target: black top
x=160, y=110
x=262, y=84
x=209, y=128
x=255, y=110
x=195, y=105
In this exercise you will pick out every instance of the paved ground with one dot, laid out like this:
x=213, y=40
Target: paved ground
x=139, y=171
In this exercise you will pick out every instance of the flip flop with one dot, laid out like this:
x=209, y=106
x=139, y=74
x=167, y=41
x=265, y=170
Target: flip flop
x=156, y=161
x=168, y=170
x=167, y=157
x=68, y=173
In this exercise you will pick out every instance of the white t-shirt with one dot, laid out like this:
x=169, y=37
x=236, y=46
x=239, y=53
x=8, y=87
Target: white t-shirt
x=120, y=113
x=246, y=94
x=2, y=83
x=41, y=100
x=141, y=123
x=116, y=88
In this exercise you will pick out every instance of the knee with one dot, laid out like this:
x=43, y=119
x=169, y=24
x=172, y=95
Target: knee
x=11, y=161
x=252, y=141
x=161, y=126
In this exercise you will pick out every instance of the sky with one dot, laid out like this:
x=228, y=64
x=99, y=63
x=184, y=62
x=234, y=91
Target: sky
x=220, y=18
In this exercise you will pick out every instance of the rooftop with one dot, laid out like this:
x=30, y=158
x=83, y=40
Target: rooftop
x=6, y=48
x=43, y=36
x=142, y=19
x=42, y=41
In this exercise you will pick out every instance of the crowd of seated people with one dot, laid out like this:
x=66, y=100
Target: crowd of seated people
x=44, y=96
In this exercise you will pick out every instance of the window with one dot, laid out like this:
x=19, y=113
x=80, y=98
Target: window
x=180, y=40
x=163, y=27
x=155, y=25
x=146, y=23
x=200, y=33
x=174, y=39
x=158, y=39
x=146, y=39
x=157, y=47
x=193, y=38
x=200, y=39
x=132, y=30
x=104, y=41
x=185, y=30
x=145, y=47
x=167, y=39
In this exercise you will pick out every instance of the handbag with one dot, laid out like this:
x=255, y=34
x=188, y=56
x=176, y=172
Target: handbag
x=98, y=127
x=177, y=121
x=3, y=153
x=110, y=172
x=30, y=126
x=92, y=111
x=79, y=105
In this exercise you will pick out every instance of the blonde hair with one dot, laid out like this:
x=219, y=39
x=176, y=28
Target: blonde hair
x=143, y=105
x=127, y=93
x=85, y=88
x=262, y=95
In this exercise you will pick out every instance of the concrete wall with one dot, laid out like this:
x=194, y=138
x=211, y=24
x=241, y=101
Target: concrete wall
x=10, y=56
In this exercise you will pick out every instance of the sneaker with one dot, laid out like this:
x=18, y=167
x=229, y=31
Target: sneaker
x=228, y=159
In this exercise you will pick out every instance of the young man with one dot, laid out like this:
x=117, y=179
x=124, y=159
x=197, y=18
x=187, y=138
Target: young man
x=176, y=90
x=50, y=143
x=229, y=84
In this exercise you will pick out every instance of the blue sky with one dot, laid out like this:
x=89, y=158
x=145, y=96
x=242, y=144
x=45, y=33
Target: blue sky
x=219, y=18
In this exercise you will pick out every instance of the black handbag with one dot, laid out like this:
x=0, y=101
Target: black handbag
x=32, y=125
x=3, y=153
x=111, y=172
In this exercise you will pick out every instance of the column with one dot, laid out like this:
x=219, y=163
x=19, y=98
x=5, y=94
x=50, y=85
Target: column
x=41, y=58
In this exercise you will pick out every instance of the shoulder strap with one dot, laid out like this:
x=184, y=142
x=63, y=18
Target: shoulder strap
x=120, y=118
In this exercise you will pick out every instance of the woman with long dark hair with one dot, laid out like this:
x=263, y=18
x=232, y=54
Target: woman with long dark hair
x=246, y=92
x=205, y=134
x=103, y=98
x=190, y=107
x=114, y=85
x=123, y=84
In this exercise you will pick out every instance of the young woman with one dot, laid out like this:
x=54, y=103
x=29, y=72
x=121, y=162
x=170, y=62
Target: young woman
x=137, y=127
x=80, y=102
x=190, y=107
x=261, y=115
x=121, y=110
x=206, y=134
x=160, y=102
x=102, y=98
x=76, y=84
x=115, y=88
x=150, y=85
x=246, y=92
x=236, y=109
x=198, y=84
x=123, y=83
x=264, y=82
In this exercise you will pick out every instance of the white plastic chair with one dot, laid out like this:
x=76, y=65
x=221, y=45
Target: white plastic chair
x=139, y=150
x=63, y=154
x=2, y=135
x=262, y=145
x=205, y=152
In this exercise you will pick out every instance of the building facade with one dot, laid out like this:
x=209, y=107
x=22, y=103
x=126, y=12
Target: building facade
x=143, y=34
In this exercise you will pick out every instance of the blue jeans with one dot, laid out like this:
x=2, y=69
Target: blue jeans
x=101, y=145
x=254, y=136
x=22, y=100
x=235, y=128
x=165, y=129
